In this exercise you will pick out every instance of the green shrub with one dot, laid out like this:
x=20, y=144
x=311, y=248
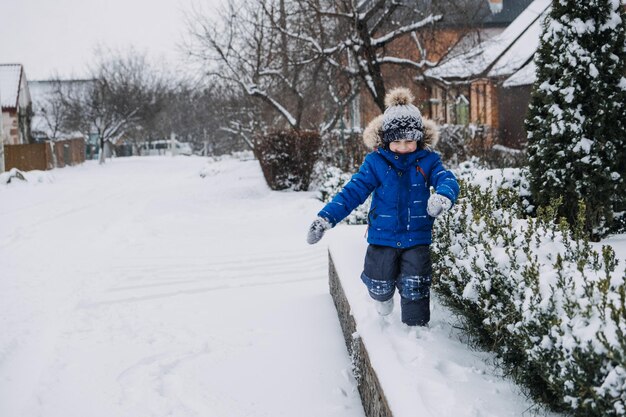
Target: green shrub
x=537, y=293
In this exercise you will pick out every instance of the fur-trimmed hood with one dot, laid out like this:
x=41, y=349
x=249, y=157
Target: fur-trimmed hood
x=373, y=134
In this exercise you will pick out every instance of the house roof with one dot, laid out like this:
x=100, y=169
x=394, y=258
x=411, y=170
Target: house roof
x=43, y=90
x=503, y=54
x=521, y=51
x=525, y=76
x=10, y=77
x=40, y=90
x=42, y=94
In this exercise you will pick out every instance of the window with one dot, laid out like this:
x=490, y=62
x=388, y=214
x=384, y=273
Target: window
x=462, y=110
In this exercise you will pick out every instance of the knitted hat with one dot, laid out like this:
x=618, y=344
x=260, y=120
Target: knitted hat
x=401, y=120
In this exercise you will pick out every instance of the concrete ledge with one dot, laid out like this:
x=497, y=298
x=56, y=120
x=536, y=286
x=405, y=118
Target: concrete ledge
x=372, y=395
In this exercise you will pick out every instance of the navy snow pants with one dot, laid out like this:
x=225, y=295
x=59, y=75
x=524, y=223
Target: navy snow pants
x=409, y=270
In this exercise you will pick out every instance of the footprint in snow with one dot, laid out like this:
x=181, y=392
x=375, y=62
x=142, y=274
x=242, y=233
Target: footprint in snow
x=453, y=371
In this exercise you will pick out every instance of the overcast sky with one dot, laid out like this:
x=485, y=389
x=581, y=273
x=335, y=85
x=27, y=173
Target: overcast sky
x=60, y=36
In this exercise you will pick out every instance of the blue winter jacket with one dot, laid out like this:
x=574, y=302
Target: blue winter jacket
x=401, y=186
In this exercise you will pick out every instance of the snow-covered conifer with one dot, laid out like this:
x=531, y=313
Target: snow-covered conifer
x=576, y=125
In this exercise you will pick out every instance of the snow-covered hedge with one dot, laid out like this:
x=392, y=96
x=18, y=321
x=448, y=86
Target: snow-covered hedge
x=16, y=176
x=535, y=291
x=332, y=180
x=460, y=142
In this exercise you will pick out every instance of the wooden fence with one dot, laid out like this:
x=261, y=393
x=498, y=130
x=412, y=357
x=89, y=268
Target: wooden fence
x=44, y=156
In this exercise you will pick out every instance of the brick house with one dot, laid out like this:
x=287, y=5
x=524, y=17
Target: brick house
x=16, y=105
x=490, y=84
x=453, y=34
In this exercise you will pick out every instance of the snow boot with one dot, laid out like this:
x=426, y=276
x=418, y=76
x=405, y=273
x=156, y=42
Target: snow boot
x=384, y=308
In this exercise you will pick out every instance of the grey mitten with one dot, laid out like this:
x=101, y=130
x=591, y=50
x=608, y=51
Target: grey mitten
x=437, y=205
x=317, y=229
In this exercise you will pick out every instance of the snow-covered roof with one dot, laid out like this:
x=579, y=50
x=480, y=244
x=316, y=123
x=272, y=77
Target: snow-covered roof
x=503, y=53
x=525, y=76
x=10, y=77
x=521, y=51
x=40, y=90
x=42, y=96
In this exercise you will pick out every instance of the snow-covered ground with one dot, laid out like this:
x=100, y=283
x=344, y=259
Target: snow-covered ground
x=141, y=288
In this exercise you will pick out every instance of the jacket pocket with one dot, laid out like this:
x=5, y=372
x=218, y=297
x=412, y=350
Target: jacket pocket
x=385, y=222
x=421, y=222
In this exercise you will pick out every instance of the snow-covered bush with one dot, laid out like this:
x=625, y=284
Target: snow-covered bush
x=535, y=292
x=287, y=158
x=514, y=179
x=15, y=176
x=465, y=142
x=456, y=142
x=474, y=172
x=332, y=181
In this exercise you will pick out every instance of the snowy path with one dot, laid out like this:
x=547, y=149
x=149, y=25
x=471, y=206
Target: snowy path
x=141, y=289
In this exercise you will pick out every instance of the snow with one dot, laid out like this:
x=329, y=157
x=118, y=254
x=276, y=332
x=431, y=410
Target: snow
x=584, y=145
x=29, y=177
x=424, y=372
x=479, y=59
x=525, y=76
x=617, y=242
x=522, y=50
x=9, y=84
x=614, y=18
x=141, y=289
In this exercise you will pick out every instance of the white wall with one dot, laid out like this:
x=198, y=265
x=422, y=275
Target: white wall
x=7, y=122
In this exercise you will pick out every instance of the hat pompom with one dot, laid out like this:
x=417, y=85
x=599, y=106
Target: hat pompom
x=399, y=96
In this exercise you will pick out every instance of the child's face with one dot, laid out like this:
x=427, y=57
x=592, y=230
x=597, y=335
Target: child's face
x=403, y=146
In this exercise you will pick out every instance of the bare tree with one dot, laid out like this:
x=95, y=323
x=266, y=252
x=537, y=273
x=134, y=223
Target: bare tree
x=257, y=46
x=303, y=57
x=51, y=112
x=125, y=92
x=356, y=37
x=212, y=117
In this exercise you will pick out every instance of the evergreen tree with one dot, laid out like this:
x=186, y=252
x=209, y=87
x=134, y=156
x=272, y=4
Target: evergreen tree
x=577, y=117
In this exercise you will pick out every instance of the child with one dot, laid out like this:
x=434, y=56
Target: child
x=399, y=171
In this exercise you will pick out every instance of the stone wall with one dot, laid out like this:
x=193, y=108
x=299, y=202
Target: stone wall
x=372, y=395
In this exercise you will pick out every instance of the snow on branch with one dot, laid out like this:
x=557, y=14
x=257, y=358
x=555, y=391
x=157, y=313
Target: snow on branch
x=383, y=40
x=405, y=62
x=253, y=90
